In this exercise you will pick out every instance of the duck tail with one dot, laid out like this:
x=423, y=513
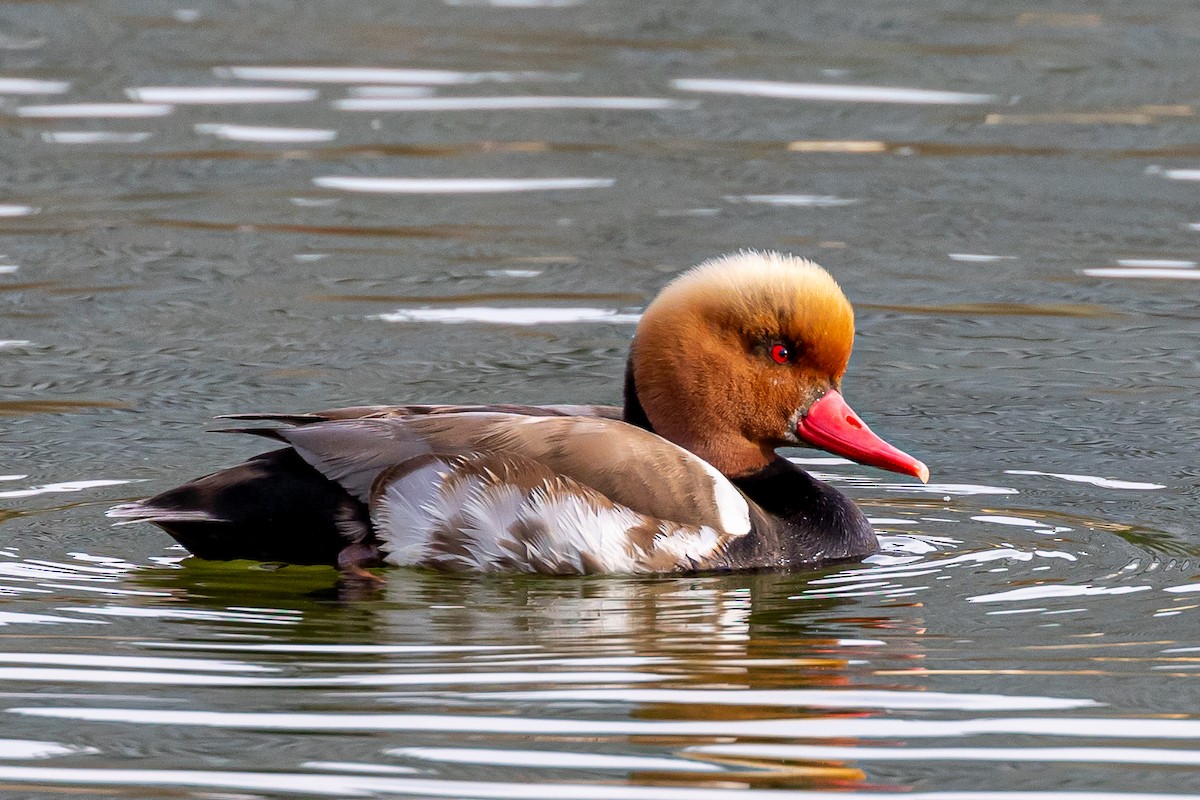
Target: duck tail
x=274, y=507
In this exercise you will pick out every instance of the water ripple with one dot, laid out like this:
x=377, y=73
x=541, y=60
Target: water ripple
x=428, y=77
x=32, y=86
x=96, y=110
x=822, y=728
x=1009, y=755
x=457, y=185
x=549, y=759
x=109, y=676
x=371, y=786
x=826, y=91
x=25, y=749
x=260, y=133
x=220, y=95
x=806, y=698
x=528, y=315
x=510, y=103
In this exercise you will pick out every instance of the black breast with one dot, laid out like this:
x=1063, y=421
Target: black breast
x=800, y=522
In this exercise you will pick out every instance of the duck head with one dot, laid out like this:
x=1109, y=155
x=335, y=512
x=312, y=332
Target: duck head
x=745, y=353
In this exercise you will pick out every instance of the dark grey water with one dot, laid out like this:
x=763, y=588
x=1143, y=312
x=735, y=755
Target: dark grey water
x=203, y=210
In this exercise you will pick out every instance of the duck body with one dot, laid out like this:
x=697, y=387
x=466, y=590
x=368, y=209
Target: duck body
x=683, y=478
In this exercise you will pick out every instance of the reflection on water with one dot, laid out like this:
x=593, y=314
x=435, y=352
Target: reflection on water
x=519, y=687
x=826, y=91
x=219, y=95
x=457, y=185
x=508, y=103
x=235, y=208
x=94, y=111
x=384, y=75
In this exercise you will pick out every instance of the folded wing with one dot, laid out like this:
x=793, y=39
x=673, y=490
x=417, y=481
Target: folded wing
x=624, y=464
x=489, y=512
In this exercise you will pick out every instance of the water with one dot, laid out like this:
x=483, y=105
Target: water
x=217, y=207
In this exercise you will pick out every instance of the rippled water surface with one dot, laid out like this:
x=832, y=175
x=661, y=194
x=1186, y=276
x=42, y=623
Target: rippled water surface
x=214, y=207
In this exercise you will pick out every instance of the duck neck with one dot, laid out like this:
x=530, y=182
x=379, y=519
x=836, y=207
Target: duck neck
x=634, y=414
x=731, y=455
x=803, y=520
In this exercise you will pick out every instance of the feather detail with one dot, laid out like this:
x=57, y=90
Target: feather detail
x=627, y=465
x=388, y=412
x=503, y=512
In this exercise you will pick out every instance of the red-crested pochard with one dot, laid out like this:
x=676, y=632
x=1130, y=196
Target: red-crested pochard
x=734, y=358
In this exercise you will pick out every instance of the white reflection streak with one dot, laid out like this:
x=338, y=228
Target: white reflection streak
x=825, y=91
x=394, y=92
x=459, y=679
x=197, y=614
x=95, y=137
x=66, y=486
x=549, y=759
x=30, y=749
x=457, y=185
x=132, y=662
x=1016, y=755
x=45, y=570
x=251, y=133
x=977, y=258
x=96, y=110
x=210, y=95
x=1104, y=483
x=1054, y=590
x=32, y=86
x=962, y=489
x=18, y=618
x=511, y=103
x=909, y=573
x=1017, y=522
x=428, y=77
x=984, y=556
x=523, y=660
x=1165, y=263
x=322, y=649
x=107, y=591
x=509, y=316
x=801, y=200
x=981, y=557
x=814, y=698
x=513, y=273
x=1169, y=273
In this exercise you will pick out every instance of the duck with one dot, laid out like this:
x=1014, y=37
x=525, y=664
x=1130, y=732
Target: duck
x=734, y=359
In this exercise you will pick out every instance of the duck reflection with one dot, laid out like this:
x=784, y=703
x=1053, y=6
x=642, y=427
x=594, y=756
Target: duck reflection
x=684, y=662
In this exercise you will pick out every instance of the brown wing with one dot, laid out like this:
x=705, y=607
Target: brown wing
x=624, y=463
x=387, y=412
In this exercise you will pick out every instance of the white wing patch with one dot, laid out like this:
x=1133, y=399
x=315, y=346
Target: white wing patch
x=500, y=512
x=399, y=515
x=731, y=505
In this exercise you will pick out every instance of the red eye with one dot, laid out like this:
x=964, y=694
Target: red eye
x=780, y=354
